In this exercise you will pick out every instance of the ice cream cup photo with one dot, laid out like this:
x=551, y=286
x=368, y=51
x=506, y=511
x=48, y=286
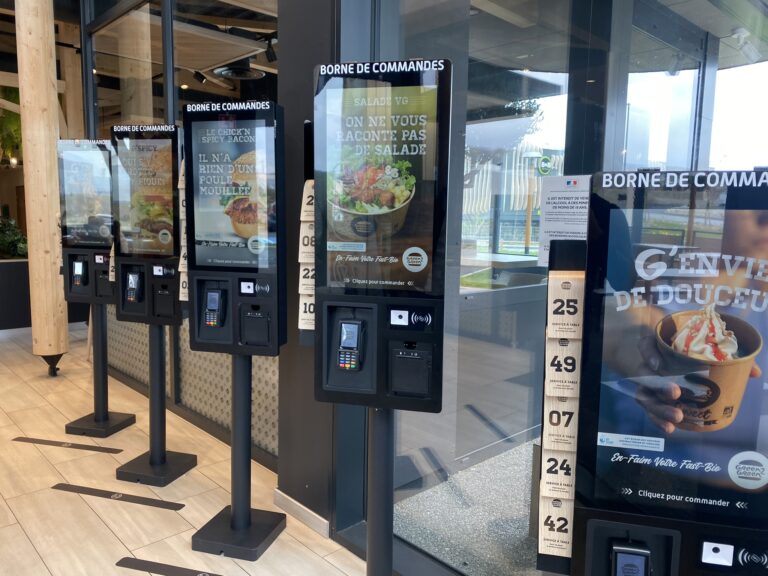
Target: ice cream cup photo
x=713, y=354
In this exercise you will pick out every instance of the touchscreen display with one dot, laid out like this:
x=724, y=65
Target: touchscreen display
x=145, y=194
x=85, y=185
x=213, y=301
x=133, y=280
x=631, y=564
x=349, y=335
x=678, y=322
x=377, y=165
x=233, y=191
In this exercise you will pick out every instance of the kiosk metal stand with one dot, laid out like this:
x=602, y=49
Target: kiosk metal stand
x=239, y=531
x=102, y=422
x=381, y=488
x=158, y=467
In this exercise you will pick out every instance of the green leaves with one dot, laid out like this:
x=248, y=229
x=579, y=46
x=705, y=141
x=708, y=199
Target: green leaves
x=13, y=244
x=10, y=125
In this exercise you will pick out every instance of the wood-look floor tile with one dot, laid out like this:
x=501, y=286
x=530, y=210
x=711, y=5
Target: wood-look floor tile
x=18, y=555
x=48, y=423
x=288, y=557
x=6, y=516
x=98, y=471
x=191, y=484
x=73, y=404
x=199, y=509
x=262, y=486
x=132, y=441
x=23, y=468
x=347, y=562
x=177, y=551
x=125, y=399
x=137, y=525
x=5, y=420
x=44, y=384
x=69, y=536
x=318, y=544
x=19, y=397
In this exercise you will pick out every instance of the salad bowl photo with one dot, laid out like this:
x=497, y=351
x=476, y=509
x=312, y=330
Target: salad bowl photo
x=371, y=200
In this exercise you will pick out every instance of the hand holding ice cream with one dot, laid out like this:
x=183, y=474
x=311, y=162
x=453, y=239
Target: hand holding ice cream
x=705, y=337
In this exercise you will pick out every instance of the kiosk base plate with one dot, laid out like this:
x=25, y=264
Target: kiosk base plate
x=218, y=537
x=140, y=470
x=88, y=426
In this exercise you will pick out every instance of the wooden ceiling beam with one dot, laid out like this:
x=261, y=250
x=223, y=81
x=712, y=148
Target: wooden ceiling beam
x=503, y=13
x=11, y=80
x=250, y=25
x=268, y=7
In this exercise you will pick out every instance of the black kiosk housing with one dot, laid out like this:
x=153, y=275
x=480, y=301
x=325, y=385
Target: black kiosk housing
x=85, y=181
x=382, y=132
x=380, y=219
x=673, y=493
x=86, y=219
x=146, y=213
x=236, y=261
x=234, y=198
x=146, y=208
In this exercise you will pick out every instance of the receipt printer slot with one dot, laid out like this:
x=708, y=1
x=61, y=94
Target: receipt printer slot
x=410, y=368
x=163, y=301
x=104, y=287
x=254, y=326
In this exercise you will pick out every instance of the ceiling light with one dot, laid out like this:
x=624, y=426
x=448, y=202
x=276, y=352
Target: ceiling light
x=271, y=54
x=184, y=86
x=239, y=70
x=197, y=75
x=14, y=161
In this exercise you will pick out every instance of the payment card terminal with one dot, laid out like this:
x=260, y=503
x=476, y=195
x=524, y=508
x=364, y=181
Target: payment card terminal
x=213, y=307
x=133, y=292
x=78, y=271
x=350, y=344
x=628, y=559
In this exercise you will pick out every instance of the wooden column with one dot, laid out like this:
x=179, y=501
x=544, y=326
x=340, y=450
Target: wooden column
x=40, y=129
x=135, y=38
x=71, y=73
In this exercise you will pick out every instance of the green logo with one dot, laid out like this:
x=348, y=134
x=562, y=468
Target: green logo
x=545, y=165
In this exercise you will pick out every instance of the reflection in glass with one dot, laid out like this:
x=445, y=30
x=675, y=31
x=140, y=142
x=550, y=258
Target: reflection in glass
x=463, y=477
x=128, y=66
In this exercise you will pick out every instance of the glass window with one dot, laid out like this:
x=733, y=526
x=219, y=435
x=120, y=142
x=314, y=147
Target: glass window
x=128, y=65
x=654, y=85
x=224, y=52
x=463, y=477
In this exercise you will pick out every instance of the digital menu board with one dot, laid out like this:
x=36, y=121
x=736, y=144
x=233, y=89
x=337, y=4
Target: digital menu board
x=381, y=144
x=144, y=195
x=86, y=193
x=231, y=184
x=675, y=383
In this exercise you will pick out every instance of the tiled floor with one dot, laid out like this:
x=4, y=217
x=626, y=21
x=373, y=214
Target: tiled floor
x=45, y=531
